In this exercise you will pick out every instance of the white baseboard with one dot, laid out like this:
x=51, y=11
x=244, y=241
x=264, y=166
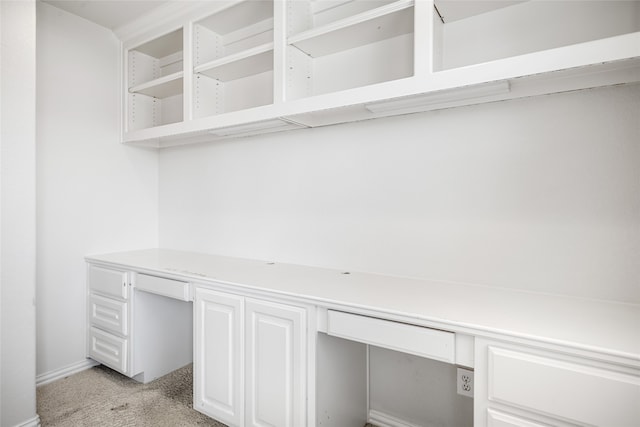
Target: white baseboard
x=33, y=422
x=380, y=419
x=65, y=372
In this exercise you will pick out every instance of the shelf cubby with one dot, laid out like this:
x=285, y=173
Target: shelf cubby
x=233, y=59
x=347, y=45
x=470, y=33
x=155, y=82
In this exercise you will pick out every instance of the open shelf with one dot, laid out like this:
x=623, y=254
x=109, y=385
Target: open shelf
x=242, y=64
x=240, y=28
x=162, y=87
x=368, y=27
x=233, y=59
x=343, y=45
x=155, y=83
x=471, y=33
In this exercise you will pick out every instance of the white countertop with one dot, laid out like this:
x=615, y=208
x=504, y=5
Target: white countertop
x=603, y=326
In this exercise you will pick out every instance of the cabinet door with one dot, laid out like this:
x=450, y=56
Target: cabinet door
x=275, y=365
x=218, y=356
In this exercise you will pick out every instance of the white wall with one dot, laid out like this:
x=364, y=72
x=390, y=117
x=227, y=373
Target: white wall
x=540, y=194
x=17, y=214
x=94, y=195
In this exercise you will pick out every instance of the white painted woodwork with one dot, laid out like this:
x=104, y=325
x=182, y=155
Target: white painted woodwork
x=163, y=286
x=275, y=364
x=162, y=87
x=386, y=48
x=218, y=360
x=109, y=349
x=109, y=282
x=369, y=27
x=500, y=419
x=162, y=336
x=558, y=388
x=425, y=342
x=265, y=383
x=596, y=325
x=109, y=314
x=341, y=382
x=243, y=64
x=533, y=27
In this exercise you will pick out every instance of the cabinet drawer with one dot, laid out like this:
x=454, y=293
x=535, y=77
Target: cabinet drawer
x=161, y=286
x=108, y=314
x=425, y=342
x=563, y=389
x=109, y=282
x=108, y=349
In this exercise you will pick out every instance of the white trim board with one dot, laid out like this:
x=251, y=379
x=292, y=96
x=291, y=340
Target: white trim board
x=381, y=419
x=31, y=422
x=58, y=374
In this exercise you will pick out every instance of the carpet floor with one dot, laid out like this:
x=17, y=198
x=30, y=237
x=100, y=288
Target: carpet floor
x=100, y=397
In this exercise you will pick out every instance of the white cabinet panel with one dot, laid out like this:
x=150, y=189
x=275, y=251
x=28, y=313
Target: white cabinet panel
x=108, y=349
x=161, y=286
x=275, y=365
x=108, y=281
x=218, y=356
x=108, y=314
x=563, y=389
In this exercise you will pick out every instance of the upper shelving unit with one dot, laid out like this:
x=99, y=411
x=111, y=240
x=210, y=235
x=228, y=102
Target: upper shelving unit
x=228, y=68
x=341, y=45
x=155, y=82
x=233, y=58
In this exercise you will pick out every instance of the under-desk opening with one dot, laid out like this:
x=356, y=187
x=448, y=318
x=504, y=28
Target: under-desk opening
x=357, y=383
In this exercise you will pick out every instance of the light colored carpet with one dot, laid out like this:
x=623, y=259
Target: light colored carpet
x=102, y=397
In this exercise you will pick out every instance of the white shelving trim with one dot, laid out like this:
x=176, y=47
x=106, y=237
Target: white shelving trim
x=162, y=87
x=242, y=64
x=368, y=27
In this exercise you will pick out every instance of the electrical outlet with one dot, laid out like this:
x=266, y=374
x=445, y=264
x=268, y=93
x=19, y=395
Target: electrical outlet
x=465, y=382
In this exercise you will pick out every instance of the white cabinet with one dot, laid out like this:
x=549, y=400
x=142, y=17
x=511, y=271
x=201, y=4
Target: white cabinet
x=250, y=361
x=218, y=373
x=275, y=364
x=223, y=69
x=128, y=325
x=109, y=317
x=528, y=386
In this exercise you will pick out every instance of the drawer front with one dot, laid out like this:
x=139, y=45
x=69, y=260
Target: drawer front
x=108, y=349
x=563, y=389
x=425, y=342
x=161, y=286
x=108, y=282
x=108, y=314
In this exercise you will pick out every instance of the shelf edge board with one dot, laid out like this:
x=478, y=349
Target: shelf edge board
x=351, y=21
x=156, y=82
x=234, y=57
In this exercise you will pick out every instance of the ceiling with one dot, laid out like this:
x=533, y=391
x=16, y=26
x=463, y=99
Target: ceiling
x=114, y=14
x=110, y=14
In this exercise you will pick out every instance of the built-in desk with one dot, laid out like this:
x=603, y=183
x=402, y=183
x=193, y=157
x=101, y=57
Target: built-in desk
x=290, y=345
